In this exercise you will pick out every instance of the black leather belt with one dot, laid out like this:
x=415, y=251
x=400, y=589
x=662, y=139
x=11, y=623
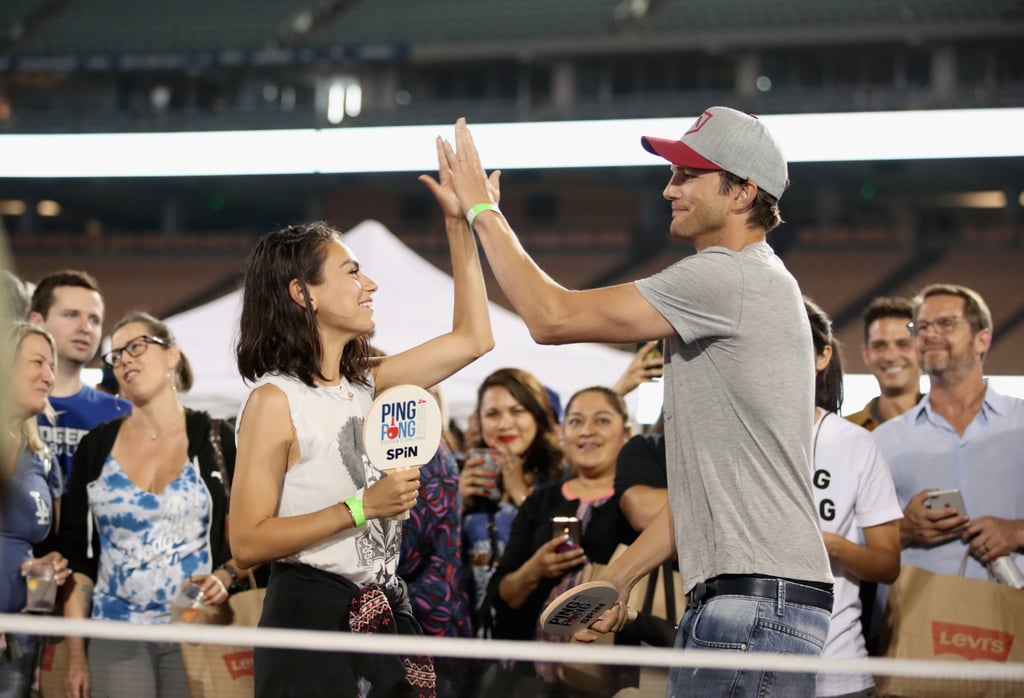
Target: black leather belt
x=817, y=594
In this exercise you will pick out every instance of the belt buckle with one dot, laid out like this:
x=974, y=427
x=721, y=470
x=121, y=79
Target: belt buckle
x=696, y=595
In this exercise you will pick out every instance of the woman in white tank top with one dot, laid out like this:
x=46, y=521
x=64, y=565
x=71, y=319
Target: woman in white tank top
x=306, y=496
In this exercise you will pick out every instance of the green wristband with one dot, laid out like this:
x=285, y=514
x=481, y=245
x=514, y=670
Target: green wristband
x=477, y=210
x=355, y=509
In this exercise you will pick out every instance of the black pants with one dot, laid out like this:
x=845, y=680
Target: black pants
x=305, y=598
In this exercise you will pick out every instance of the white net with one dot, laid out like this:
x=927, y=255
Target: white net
x=220, y=663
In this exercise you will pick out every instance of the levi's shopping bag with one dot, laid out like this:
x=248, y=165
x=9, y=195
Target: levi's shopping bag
x=226, y=671
x=952, y=618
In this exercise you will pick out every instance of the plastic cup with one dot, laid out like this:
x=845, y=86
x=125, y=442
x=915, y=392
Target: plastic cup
x=42, y=588
x=188, y=606
x=490, y=463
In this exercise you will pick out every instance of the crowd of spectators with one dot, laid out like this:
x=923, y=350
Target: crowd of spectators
x=125, y=498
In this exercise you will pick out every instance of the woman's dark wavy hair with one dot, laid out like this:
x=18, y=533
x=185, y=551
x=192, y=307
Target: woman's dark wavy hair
x=544, y=455
x=276, y=334
x=828, y=383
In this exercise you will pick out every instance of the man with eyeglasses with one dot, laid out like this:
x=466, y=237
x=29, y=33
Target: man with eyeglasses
x=963, y=435
x=68, y=304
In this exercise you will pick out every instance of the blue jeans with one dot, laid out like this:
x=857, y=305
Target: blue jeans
x=731, y=623
x=16, y=675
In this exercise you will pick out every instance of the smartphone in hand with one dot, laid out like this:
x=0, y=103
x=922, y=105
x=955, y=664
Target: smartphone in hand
x=939, y=499
x=567, y=525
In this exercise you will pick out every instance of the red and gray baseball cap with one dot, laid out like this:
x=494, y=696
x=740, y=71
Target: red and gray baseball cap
x=726, y=139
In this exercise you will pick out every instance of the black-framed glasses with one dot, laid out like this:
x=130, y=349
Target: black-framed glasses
x=136, y=347
x=942, y=325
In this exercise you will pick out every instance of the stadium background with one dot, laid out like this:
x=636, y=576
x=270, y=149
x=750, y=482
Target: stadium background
x=854, y=229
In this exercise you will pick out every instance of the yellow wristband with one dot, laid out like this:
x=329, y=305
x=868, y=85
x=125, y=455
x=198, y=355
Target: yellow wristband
x=355, y=510
x=477, y=210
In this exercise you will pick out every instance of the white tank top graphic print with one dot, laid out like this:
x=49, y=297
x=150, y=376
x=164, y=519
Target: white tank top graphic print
x=332, y=467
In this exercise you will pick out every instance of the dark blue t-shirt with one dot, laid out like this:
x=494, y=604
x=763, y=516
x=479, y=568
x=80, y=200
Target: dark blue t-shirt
x=76, y=415
x=27, y=516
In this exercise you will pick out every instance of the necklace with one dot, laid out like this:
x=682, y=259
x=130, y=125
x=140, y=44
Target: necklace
x=152, y=437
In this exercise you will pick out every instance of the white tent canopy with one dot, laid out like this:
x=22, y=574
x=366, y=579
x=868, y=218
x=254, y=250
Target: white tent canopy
x=412, y=305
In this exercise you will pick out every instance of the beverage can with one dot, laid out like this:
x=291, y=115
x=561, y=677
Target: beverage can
x=1005, y=571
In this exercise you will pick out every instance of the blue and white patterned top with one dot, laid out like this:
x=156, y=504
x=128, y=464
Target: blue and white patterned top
x=150, y=544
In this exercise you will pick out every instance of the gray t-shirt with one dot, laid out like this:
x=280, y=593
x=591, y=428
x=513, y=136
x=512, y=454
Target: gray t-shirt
x=739, y=400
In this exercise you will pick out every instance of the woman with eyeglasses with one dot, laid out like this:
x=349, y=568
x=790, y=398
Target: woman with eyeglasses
x=31, y=487
x=145, y=516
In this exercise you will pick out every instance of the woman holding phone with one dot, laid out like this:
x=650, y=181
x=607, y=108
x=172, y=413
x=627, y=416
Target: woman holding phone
x=542, y=560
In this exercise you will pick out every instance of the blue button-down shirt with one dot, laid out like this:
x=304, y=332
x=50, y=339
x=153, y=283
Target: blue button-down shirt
x=986, y=464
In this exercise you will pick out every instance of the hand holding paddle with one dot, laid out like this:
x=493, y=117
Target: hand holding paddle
x=581, y=607
x=401, y=432
x=393, y=495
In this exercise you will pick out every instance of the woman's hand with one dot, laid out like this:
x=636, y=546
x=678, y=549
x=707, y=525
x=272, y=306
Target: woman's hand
x=214, y=587
x=61, y=571
x=475, y=481
x=444, y=190
x=77, y=683
x=545, y=563
x=548, y=563
x=393, y=494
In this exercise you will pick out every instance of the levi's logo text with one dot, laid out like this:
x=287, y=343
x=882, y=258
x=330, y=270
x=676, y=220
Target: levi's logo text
x=699, y=123
x=398, y=428
x=970, y=641
x=239, y=663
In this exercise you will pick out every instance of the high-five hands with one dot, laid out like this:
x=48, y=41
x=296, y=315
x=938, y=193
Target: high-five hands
x=470, y=182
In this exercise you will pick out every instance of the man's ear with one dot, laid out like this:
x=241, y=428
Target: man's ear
x=745, y=195
x=983, y=342
x=36, y=318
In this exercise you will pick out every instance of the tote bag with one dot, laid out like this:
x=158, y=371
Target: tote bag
x=952, y=618
x=226, y=671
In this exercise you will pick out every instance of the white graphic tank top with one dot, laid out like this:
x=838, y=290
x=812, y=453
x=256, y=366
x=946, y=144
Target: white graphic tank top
x=332, y=467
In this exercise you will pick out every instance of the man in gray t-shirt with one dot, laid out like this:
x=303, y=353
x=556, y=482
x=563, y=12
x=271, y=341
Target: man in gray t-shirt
x=739, y=392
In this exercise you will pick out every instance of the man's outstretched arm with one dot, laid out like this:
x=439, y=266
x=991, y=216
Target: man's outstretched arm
x=553, y=314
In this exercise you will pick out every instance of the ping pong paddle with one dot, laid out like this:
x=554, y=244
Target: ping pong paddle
x=402, y=429
x=579, y=607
